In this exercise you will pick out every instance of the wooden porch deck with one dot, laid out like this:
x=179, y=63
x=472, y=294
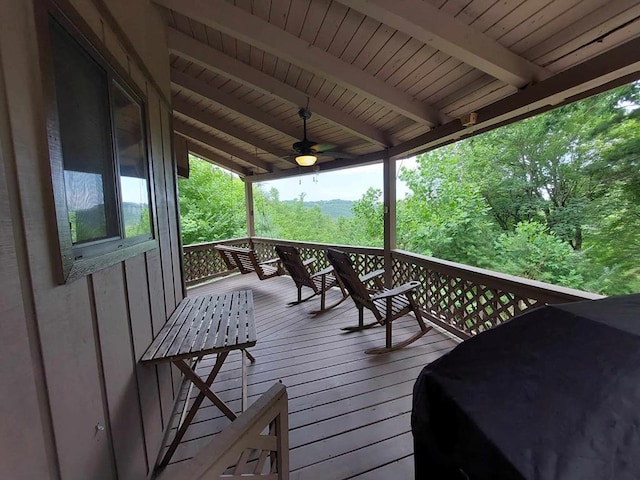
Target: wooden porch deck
x=349, y=413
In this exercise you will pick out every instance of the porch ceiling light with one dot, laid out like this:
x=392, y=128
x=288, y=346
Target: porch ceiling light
x=306, y=159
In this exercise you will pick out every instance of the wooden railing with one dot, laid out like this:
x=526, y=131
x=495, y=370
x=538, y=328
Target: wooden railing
x=202, y=262
x=462, y=299
x=467, y=300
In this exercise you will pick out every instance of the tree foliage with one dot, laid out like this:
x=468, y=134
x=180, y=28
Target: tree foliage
x=554, y=198
x=211, y=204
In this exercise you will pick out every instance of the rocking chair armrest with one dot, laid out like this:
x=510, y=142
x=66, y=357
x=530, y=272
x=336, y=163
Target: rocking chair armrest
x=371, y=275
x=308, y=261
x=405, y=288
x=271, y=260
x=323, y=272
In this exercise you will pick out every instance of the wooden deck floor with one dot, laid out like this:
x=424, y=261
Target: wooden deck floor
x=349, y=413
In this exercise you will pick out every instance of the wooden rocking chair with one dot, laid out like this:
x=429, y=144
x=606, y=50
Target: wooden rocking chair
x=303, y=276
x=386, y=305
x=246, y=260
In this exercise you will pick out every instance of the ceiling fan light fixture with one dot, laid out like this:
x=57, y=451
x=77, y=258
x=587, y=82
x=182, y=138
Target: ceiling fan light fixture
x=306, y=160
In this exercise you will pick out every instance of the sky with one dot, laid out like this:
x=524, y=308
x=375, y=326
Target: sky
x=348, y=184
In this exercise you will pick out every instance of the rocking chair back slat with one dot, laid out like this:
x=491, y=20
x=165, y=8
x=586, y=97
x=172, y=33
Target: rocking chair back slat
x=344, y=269
x=293, y=264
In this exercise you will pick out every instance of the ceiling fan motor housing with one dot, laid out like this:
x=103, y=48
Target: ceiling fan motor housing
x=304, y=146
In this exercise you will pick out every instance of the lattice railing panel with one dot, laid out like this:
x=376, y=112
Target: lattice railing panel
x=202, y=262
x=469, y=307
x=264, y=251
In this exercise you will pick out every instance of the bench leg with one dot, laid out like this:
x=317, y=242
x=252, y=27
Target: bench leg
x=244, y=380
x=204, y=391
x=251, y=358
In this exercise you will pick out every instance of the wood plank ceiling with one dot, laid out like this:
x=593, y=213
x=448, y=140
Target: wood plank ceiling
x=381, y=77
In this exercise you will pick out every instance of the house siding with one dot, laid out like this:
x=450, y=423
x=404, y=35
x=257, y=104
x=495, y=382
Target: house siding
x=76, y=403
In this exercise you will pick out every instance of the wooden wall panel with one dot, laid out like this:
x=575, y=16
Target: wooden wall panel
x=156, y=301
x=80, y=405
x=162, y=220
x=19, y=433
x=121, y=385
x=144, y=26
x=63, y=313
x=171, y=178
x=163, y=224
x=181, y=153
x=142, y=335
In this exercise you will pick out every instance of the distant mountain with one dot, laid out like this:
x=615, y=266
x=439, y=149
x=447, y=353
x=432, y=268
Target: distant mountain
x=332, y=208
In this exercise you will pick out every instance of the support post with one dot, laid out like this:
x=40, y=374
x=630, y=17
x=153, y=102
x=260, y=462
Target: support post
x=389, y=199
x=181, y=154
x=248, y=198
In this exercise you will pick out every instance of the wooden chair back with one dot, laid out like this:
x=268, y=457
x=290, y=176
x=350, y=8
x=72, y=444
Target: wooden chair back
x=230, y=454
x=290, y=257
x=343, y=268
x=246, y=260
x=227, y=257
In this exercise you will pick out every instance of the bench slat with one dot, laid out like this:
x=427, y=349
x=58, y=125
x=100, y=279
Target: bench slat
x=167, y=332
x=203, y=325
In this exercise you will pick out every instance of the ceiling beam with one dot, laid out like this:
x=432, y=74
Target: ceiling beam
x=215, y=95
x=212, y=121
x=339, y=164
x=432, y=26
x=216, y=61
x=212, y=141
x=612, y=68
x=226, y=18
x=212, y=157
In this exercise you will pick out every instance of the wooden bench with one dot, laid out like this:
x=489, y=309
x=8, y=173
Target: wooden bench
x=246, y=260
x=242, y=449
x=204, y=325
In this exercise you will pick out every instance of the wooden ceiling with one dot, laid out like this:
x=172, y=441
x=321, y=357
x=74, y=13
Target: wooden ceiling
x=381, y=76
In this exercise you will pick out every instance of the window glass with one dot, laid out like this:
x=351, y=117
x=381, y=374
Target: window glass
x=134, y=186
x=83, y=111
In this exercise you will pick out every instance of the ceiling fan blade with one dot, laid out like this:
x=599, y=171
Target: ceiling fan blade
x=334, y=154
x=323, y=147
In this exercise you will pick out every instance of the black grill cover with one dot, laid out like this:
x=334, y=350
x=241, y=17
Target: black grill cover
x=552, y=394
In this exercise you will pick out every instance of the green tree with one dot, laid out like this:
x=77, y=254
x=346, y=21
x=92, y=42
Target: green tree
x=369, y=218
x=575, y=171
x=532, y=251
x=211, y=204
x=445, y=215
x=294, y=220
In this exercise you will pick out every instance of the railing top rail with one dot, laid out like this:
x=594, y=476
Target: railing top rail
x=504, y=280
x=346, y=248
x=204, y=245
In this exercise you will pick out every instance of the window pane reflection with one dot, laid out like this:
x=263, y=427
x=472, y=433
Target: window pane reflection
x=127, y=119
x=82, y=97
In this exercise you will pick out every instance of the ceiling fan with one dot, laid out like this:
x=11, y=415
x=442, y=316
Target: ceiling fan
x=307, y=151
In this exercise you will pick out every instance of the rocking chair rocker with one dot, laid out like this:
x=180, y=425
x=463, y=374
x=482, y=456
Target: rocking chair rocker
x=386, y=305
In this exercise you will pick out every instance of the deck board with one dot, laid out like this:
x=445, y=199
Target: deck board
x=349, y=413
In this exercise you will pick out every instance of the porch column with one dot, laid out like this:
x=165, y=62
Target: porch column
x=248, y=198
x=389, y=199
